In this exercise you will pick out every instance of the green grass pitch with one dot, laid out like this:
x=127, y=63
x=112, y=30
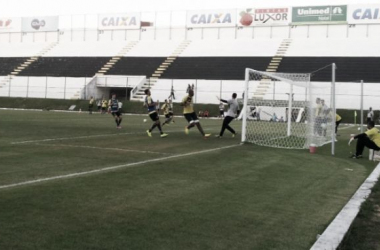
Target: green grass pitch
x=179, y=192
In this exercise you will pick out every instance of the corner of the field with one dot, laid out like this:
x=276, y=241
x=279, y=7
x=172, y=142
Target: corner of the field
x=335, y=232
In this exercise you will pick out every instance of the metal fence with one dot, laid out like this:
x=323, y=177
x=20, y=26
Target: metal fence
x=348, y=94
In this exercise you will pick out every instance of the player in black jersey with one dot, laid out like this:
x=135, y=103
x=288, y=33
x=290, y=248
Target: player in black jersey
x=114, y=106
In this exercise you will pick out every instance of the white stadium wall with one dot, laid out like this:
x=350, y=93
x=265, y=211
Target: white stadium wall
x=182, y=33
x=328, y=47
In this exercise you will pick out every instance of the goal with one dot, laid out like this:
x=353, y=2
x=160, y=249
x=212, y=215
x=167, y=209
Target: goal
x=287, y=110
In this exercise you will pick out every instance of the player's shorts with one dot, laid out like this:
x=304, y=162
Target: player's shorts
x=117, y=113
x=168, y=115
x=191, y=117
x=154, y=116
x=171, y=113
x=221, y=112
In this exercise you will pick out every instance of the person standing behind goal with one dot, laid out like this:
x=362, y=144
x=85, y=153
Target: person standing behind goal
x=231, y=114
x=370, y=115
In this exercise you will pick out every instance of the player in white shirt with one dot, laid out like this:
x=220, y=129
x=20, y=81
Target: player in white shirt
x=231, y=114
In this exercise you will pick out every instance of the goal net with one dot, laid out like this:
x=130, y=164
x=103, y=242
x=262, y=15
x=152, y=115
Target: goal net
x=286, y=110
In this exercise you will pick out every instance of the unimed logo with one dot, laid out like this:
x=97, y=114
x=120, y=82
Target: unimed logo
x=37, y=24
x=313, y=11
x=337, y=10
x=318, y=14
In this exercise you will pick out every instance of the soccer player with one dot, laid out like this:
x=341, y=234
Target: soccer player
x=166, y=110
x=318, y=117
x=151, y=105
x=171, y=110
x=370, y=115
x=221, y=109
x=338, y=119
x=190, y=115
x=113, y=103
x=91, y=105
x=231, y=114
x=369, y=139
x=99, y=104
x=172, y=96
x=104, y=106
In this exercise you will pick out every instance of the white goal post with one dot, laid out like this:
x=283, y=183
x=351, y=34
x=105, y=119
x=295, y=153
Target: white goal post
x=287, y=110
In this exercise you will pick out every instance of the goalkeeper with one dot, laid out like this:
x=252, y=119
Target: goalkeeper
x=369, y=139
x=231, y=114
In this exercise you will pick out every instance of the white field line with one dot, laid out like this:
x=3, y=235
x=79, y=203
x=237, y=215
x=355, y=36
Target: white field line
x=100, y=148
x=349, y=126
x=95, y=112
x=73, y=138
x=82, y=137
x=93, y=136
x=128, y=165
x=335, y=232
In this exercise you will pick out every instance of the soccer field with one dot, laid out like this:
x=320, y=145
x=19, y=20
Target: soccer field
x=73, y=181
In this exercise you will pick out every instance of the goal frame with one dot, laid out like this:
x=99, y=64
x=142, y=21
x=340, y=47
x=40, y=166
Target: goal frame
x=290, y=106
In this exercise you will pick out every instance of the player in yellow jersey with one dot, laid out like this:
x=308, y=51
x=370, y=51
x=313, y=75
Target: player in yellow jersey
x=166, y=110
x=190, y=115
x=151, y=106
x=338, y=119
x=369, y=139
x=91, y=105
x=104, y=106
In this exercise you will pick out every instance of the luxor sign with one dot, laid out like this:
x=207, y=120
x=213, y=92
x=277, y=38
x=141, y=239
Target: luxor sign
x=264, y=16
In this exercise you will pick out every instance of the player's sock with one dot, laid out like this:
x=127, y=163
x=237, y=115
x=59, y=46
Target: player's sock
x=159, y=128
x=153, y=126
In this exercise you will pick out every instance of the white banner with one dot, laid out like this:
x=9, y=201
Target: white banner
x=211, y=18
x=264, y=16
x=363, y=13
x=10, y=24
x=119, y=21
x=44, y=23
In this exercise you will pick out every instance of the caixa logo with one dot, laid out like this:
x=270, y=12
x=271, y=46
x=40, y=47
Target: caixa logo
x=366, y=14
x=211, y=18
x=37, y=24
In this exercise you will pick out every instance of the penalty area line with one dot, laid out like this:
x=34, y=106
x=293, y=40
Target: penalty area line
x=106, y=169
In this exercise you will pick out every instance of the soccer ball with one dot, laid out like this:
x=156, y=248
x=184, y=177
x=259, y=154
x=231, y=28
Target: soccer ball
x=324, y=125
x=144, y=120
